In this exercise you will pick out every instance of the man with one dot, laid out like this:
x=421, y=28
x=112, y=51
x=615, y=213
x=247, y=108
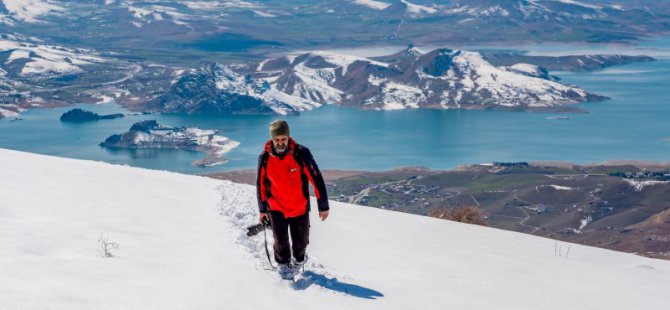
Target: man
x=284, y=170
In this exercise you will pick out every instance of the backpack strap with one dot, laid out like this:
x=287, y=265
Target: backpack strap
x=263, y=183
x=264, y=159
x=297, y=155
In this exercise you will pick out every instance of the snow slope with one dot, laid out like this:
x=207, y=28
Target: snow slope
x=44, y=59
x=182, y=247
x=29, y=10
x=373, y=4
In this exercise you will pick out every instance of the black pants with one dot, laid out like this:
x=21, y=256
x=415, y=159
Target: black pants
x=299, y=230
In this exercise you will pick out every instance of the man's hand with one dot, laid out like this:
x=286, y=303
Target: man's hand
x=263, y=215
x=323, y=215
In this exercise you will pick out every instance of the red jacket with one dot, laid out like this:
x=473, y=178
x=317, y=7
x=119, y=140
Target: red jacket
x=282, y=180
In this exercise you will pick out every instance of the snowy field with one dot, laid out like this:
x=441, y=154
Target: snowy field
x=182, y=245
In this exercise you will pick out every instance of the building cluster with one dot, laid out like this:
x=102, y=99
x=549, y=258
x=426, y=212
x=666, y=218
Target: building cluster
x=649, y=175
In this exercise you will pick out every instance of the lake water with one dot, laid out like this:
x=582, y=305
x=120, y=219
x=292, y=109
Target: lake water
x=634, y=125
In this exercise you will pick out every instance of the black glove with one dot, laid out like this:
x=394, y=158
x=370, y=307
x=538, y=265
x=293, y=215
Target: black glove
x=257, y=228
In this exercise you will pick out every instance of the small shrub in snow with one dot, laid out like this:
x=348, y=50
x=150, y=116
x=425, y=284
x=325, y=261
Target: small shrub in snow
x=465, y=214
x=558, y=251
x=105, y=246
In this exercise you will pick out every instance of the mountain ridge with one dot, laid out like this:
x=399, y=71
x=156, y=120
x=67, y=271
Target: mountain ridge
x=442, y=78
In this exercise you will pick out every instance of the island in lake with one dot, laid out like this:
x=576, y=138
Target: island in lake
x=151, y=135
x=80, y=116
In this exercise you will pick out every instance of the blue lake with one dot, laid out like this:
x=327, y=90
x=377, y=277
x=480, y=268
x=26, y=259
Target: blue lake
x=634, y=125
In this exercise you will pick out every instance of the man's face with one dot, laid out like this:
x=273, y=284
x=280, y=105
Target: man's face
x=280, y=143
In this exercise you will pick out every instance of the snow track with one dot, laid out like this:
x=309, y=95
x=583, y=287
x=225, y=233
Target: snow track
x=238, y=206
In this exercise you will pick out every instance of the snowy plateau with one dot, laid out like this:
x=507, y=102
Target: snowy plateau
x=182, y=245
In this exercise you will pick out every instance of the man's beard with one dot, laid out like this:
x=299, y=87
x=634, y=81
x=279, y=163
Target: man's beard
x=281, y=150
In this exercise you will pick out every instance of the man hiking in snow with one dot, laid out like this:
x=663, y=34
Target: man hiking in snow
x=284, y=170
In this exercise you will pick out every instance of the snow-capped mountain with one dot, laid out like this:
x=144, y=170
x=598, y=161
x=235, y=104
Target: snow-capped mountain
x=373, y=4
x=524, y=9
x=442, y=78
x=409, y=9
x=137, y=36
x=529, y=9
x=451, y=78
x=216, y=88
x=179, y=242
x=27, y=64
x=29, y=11
x=136, y=25
x=145, y=15
x=180, y=12
x=519, y=20
x=29, y=57
x=530, y=70
x=575, y=63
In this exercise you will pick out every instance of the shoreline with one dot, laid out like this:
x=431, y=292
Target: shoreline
x=248, y=175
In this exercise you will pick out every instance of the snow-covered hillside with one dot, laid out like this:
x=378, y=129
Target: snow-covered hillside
x=373, y=4
x=27, y=57
x=27, y=10
x=182, y=246
x=488, y=8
